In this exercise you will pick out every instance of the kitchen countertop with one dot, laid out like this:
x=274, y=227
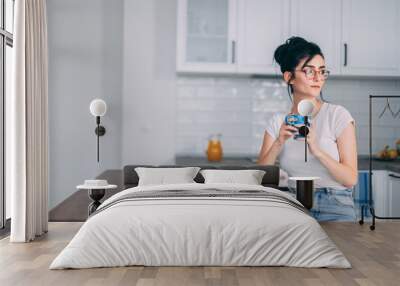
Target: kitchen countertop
x=363, y=164
x=227, y=160
x=248, y=160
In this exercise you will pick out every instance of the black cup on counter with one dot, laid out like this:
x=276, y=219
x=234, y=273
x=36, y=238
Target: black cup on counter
x=305, y=190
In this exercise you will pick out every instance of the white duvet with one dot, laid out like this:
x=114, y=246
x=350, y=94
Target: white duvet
x=199, y=231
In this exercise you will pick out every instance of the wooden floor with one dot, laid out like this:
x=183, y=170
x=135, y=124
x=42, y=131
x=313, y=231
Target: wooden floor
x=375, y=257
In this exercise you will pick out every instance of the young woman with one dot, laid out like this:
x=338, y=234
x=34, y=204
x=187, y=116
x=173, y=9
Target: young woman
x=331, y=139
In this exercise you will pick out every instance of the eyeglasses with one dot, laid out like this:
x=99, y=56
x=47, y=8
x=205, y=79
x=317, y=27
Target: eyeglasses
x=310, y=73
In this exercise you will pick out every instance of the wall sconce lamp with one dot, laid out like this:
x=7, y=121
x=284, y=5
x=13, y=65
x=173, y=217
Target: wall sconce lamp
x=98, y=108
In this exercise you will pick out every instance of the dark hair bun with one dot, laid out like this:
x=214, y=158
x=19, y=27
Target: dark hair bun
x=290, y=53
x=283, y=50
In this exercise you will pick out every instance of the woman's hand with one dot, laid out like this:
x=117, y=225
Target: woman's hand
x=271, y=146
x=285, y=132
x=312, y=142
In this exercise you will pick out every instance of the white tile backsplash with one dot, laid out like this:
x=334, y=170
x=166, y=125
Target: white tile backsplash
x=239, y=107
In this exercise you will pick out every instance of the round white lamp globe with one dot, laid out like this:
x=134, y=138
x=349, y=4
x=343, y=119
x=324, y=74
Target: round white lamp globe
x=98, y=107
x=305, y=107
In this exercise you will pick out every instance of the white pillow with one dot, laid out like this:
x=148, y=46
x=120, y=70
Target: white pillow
x=164, y=176
x=249, y=177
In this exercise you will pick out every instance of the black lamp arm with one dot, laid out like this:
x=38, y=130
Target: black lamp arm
x=305, y=137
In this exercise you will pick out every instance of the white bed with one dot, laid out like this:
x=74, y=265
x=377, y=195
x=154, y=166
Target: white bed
x=183, y=231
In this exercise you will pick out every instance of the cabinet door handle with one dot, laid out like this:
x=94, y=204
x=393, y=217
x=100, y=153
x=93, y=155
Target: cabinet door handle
x=345, y=54
x=233, y=52
x=394, y=176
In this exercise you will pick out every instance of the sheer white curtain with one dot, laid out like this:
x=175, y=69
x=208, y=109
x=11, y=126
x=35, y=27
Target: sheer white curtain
x=29, y=123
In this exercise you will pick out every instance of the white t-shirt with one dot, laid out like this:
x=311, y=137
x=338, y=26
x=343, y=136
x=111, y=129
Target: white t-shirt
x=329, y=123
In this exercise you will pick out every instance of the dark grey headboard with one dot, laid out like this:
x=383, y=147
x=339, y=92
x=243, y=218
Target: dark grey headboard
x=270, y=179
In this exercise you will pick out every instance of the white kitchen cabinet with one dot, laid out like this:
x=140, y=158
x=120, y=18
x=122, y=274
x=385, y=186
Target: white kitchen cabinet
x=310, y=20
x=386, y=193
x=357, y=37
x=230, y=36
x=262, y=26
x=394, y=194
x=371, y=37
x=380, y=192
x=206, y=36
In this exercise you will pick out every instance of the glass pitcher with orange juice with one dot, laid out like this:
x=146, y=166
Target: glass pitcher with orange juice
x=214, y=150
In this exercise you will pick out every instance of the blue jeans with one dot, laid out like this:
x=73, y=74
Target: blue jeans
x=333, y=205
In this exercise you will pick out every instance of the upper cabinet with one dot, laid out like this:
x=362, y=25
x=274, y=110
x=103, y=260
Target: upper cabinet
x=262, y=26
x=357, y=37
x=206, y=40
x=311, y=20
x=371, y=37
x=230, y=36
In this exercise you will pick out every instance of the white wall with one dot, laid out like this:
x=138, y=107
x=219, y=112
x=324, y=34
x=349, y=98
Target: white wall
x=149, y=80
x=85, y=52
